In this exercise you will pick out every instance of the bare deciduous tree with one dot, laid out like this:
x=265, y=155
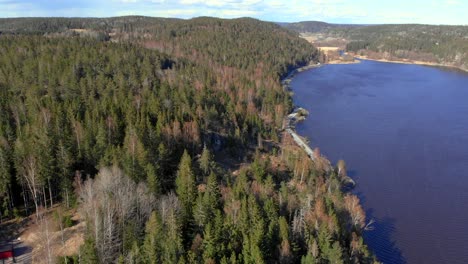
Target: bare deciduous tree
x=46, y=226
x=31, y=178
x=111, y=200
x=341, y=165
x=358, y=216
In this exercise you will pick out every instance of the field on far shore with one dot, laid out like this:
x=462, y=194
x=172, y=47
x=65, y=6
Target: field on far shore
x=326, y=49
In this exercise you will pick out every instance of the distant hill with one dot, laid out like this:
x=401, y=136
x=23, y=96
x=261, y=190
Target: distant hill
x=442, y=44
x=316, y=26
x=446, y=45
x=40, y=25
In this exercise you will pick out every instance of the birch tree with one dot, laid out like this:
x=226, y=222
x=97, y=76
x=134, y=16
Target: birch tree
x=110, y=201
x=31, y=177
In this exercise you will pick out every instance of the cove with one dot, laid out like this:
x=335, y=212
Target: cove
x=403, y=132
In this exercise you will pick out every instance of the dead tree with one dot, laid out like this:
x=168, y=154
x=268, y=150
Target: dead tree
x=31, y=178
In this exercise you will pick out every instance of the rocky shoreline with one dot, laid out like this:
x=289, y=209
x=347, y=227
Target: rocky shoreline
x=300, y=114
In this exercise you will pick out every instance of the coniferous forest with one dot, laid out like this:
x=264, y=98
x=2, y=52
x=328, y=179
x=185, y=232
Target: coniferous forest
x=442, y=44
x=165, y=135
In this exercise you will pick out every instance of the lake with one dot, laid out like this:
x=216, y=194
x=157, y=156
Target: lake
x=403, y=132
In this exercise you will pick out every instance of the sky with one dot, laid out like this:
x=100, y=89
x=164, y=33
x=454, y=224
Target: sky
x=453, y=12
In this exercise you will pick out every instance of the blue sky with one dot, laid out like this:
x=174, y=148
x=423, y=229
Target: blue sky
x=334, y=11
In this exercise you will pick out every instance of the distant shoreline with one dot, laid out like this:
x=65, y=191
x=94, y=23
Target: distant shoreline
x=287, y=80
x=415, y=62
x=343, y=62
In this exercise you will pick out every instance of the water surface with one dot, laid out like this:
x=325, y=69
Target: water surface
x=403, y=132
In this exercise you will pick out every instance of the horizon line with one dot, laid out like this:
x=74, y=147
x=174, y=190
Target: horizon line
x=234, y=18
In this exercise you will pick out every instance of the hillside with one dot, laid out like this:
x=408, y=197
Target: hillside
x=166, y=135
x=317, y=26
x=446, y=45
x=42, y=25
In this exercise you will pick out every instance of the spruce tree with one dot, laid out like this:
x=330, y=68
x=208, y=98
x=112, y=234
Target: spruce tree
x=151, y=248
x=185, y=186
x=205, y=160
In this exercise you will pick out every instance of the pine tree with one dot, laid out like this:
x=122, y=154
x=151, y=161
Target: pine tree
x=324, y=241
x=185, y=181
x=172, y=248
x=152, y=179
x=185, y=187
x=135, y=156
x=308, y=259
x=46, y=160
x=205, y=161
x=210, y=245
x=5, y=176
x=285, y=248
x=151, y=248
x=64, y=161
x=335, y=254
x=212, y=197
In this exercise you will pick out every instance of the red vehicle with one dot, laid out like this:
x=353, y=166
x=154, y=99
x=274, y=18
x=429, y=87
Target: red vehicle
x=6, y=252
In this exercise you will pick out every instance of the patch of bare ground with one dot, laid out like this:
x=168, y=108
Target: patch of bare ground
x=326, y=49
x=49, y=238
x=343, y=61
x=79, y=30
x=324, y=40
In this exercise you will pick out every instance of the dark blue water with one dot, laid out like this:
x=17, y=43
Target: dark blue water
x=403, y=132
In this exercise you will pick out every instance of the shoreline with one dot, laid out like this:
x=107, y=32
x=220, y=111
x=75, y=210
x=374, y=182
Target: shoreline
x=291, y=119
x=414, y=62
x=287, y=80
x=355, y=61
x=285, y=83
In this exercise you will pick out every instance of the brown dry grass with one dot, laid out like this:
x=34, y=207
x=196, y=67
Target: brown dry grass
x=79, y=30
x=310, y=39
x=327, y=49
x=34, y=236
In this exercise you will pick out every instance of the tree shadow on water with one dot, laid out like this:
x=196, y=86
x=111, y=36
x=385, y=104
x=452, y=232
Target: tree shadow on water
x=379, y=236
x=352, y=173
x=379, y=240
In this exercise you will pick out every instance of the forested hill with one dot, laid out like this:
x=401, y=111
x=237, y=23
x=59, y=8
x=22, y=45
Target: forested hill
x=226, y=41
x=441, y=44
x=316, y=26
x=446, y=45
x=41, y=25
x=165, y=134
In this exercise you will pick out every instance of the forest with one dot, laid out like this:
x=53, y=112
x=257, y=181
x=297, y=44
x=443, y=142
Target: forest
x=165, y=135
x=442, y=44
x=317, y=26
